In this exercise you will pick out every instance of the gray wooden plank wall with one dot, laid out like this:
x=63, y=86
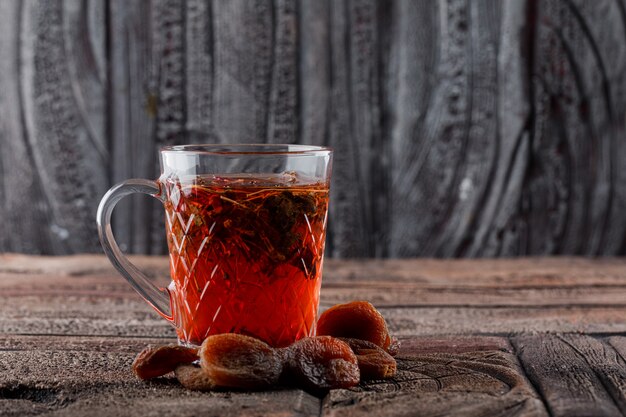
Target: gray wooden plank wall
x=461, y=127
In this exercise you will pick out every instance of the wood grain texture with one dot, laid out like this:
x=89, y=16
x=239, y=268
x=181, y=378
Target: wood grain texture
x=417, y=297
x=577, y=375
x=147, y=96
x=619, y=344
x=70, y=327
x=461, y=128
x=464, y=377
x=605, y=362
x=54, y=150
x=77, y=376
x=19, y=183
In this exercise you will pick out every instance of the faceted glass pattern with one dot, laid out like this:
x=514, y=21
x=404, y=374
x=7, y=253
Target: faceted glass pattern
x=228, y=274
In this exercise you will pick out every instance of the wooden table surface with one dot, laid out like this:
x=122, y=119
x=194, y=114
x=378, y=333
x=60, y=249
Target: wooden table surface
x=526, y=337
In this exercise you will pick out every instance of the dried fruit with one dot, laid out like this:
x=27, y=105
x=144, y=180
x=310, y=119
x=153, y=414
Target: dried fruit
x=354, y=343
x=357, y=320
x=156, y=361
x=374, y=362
x=322, y=362
x=394, y=346
x=194, y=378
x=238, y=361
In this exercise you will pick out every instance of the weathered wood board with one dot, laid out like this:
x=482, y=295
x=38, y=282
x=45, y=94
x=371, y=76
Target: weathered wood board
x=461, y=377
x=70, y=327
x=575, y=374
x=461, y=128
x=417, y=297
x=79, y=376
x=103, y=324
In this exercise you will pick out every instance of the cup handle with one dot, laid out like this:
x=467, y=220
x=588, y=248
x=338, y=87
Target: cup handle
x=158, y=298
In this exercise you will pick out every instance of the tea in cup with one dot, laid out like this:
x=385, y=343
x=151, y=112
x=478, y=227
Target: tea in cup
x=246, y=228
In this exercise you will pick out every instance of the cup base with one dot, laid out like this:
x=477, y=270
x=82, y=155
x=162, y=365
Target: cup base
x=188, y=344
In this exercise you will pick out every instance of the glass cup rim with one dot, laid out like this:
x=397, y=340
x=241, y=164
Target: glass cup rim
x=248, y=149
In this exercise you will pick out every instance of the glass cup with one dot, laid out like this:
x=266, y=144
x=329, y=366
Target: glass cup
x=246, y=227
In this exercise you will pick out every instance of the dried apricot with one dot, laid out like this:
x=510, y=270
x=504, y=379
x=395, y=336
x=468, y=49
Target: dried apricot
x=357, y=320
x=374, y=362
x=394, y=346
x=156, y=361
x=322, y=362
x=238, y=361
x=194, y=378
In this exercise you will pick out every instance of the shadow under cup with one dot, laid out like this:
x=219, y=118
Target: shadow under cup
x=246, y=228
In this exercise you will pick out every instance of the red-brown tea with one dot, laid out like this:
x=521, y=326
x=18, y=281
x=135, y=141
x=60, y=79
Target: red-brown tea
x=246, y=255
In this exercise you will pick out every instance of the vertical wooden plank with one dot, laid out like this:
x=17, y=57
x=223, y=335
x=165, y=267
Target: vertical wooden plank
x=347, y=229
x=444, y=127
x=478, y=159
x=62, y=97
x=568, y=191
x=168, y=59
x=414, y=55
x=244, y=40
x=199, y=62
x=133, y=102
x=543, y=204
x=23, y=205
x=589, y=143
x=168, y=54
x=84, y=35
x=577, y=376
x=443, y=172
x=314, y=71
x=416, y=184
x=617, y=234
x=602, y=63
x=355, y=131
x=148, y=107
x=501, y=202
x=283, y=106
x=368, y=21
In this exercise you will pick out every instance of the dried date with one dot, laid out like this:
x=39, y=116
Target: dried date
x=157, y=361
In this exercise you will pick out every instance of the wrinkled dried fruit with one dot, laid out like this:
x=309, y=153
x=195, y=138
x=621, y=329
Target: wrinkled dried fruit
x=238, y=361
x=194, y=378
x=353, y=342
x=374, y=362
x=322, y=362
x=357, y=320
x=156, y=361
x=394, y=346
